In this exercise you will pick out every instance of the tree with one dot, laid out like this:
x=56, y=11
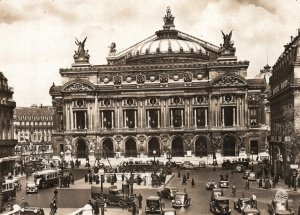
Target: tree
x=290, y=129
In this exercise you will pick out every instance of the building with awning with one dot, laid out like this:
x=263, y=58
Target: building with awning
x=7, y=142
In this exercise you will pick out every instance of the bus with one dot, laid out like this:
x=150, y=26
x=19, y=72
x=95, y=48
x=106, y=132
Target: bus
x=8, y=189
x=46, y=178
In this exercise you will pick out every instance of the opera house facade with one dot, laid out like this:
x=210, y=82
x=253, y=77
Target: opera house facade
x=170, y=93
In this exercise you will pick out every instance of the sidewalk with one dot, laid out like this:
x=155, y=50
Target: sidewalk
x=110, y=211
x=81, y=184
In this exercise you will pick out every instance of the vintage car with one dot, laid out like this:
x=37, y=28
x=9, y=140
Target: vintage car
x=211, y=184
x=216, y=193
x=113, y=197
x=188, y=165
x=220, y=205
x=181, y=199
x=241, y=204
x=32, y=211
x=167, y=192
x=31, y=187
x=224, y=183
x=202, y=164
x=246, y=173
x=153, y=205
x=250, y=211
x=279, y=204
x=168, y=211
x=252, y=176
x=265, y=183
x=239, y=167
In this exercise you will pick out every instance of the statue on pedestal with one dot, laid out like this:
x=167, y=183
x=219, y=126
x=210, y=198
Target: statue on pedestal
x=227, y=46
x=81, y=55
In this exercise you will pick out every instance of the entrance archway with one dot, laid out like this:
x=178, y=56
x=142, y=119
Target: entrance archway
x=201, y=146
x=81, y=149
x=130, y=148
x=177, y=147
x=153, y=144
x=108, y=148
x=229, y=143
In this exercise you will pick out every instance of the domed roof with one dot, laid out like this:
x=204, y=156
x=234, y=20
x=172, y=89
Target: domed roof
x=166, y=44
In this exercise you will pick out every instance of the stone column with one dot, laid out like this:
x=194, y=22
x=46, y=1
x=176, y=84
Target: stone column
x=135, y=118
x=71, y=117
x=158, y=118
x=182, y=118
x=238, y=111
x=85, y=119
x=101, y=120
x=205, y=110
x=195, y=118
x=223, y=121
x=124, y=121
x=112, y=120
x=233, y=109
x=246, y=112
x=148, y=118
x=67, y=117
x=117, y=114
x=96, y=114
x=171, y=111
x=75, y=120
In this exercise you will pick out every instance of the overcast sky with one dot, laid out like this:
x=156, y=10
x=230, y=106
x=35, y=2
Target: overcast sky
x=37, y=37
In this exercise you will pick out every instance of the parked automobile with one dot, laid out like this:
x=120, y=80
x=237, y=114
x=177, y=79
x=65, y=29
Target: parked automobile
x=279, y=204
x=188, y=165
x=220, y=206
x=202, y=164
x=167, y=192
x=211, y=184
x=32, y=211
x=246, y=173
x=31, y=187
x=181, y=199
x=168, y=211
x=250, y=211
x=265, y=183
x=153, y=205
x=216, y=193
x=241, y=204
x=252, y=176
x=224, y=184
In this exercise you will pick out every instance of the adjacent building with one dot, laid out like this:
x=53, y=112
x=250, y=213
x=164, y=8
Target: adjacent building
x=33, y=131
x=170, y=93
x=284, y=100
x=7, y=142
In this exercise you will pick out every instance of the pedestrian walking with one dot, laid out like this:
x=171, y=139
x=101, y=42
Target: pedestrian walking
x=90, y=178
x=86, y=177
x=145, y=180
x=188, y=175
x=184, y=179
x=140, y=198
x=247, y=184
x=193, y=182
x=178, y=173
x=123, y=176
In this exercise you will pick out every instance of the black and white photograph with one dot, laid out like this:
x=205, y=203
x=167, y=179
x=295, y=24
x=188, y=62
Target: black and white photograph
x=135, y=107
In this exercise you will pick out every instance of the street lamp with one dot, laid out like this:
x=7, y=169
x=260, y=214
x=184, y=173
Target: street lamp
x=154, y=153
x=170, y=155
x=252, y=152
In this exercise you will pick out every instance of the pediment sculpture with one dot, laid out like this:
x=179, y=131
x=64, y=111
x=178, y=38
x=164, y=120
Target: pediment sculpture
x=76, y=87
x=229, y=80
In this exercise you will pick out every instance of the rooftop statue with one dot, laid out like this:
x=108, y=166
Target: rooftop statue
x=227, y=46
x=81, y=55
x=112, y=49
x=169, y=20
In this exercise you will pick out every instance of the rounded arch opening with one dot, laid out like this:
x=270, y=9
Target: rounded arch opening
x=229, y=144
x=130, y=148
x=81, y=148
x=153, y=144
x=108, y=148
x=201, y=146
x=177, y=147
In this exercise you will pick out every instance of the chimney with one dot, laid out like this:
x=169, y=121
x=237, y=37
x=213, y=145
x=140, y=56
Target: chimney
x=298, y=31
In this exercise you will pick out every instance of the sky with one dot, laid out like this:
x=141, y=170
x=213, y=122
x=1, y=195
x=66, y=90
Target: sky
x=38, y=37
